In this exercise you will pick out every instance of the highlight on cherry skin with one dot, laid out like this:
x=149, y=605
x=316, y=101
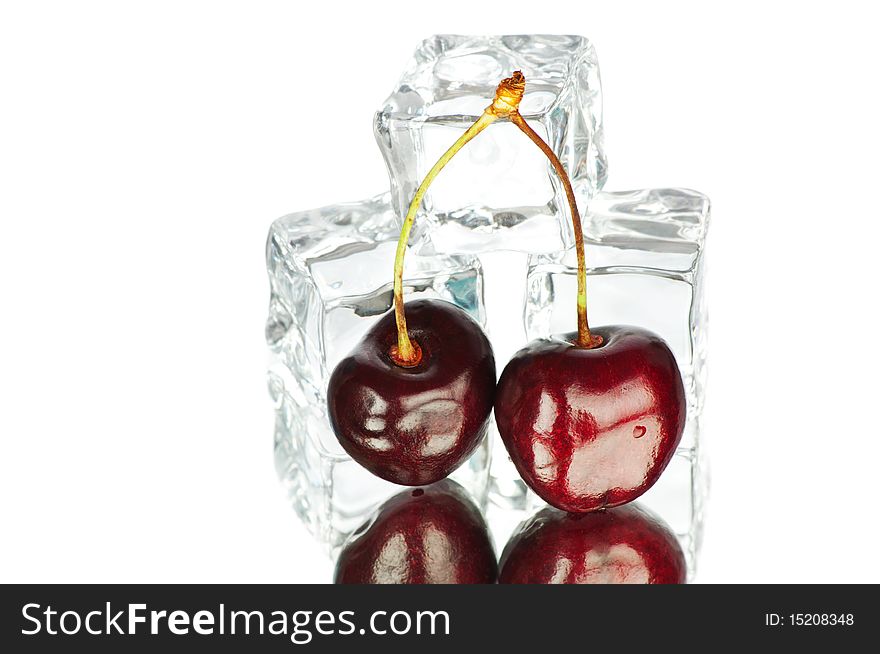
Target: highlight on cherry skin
x=413, y=425
x=591, y=428
x=430, y=535
x=624, y=545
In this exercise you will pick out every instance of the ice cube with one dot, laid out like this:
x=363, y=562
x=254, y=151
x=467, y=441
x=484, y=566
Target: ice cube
x=499, y=192
x=645, y=265
x=330, y=272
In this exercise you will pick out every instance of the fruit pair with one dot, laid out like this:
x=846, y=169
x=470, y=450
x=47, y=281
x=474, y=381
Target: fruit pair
x=590, y=419
x=435, y=535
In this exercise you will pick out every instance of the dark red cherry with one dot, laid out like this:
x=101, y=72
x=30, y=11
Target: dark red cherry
x=415, y=425
x=626, y=545
x=432, y=535
x=591, y=428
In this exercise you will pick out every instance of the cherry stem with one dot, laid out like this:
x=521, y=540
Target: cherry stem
x=508, y=95
x=507, y=98
x=584, y=338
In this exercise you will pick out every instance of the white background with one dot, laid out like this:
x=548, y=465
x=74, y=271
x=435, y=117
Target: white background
x=145, y=148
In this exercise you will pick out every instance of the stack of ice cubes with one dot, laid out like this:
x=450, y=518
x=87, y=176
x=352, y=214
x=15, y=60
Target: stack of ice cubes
x=494, y=225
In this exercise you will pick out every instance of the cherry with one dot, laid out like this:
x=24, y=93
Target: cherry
x=413, y=425
x=626, y=545
x=589, y=428
x=590, y=420
x=432, y=535
x=412, y=401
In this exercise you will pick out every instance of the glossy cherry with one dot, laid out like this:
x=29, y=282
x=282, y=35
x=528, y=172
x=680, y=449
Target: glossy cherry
x=589, y=428
x=626, y=545
x=432, y=535
x=412, y=401
x=413, y=425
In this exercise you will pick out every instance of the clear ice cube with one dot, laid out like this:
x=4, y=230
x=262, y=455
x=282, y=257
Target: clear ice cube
x=330, y=272
x=499, y=192
x=645, y=265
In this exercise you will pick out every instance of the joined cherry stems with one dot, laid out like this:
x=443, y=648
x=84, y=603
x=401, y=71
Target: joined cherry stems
x=508, y=95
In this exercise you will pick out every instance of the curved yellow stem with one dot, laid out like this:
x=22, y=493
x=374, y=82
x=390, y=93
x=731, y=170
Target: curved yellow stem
x=585, y=339
x=406, y=354
x=506, y=101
